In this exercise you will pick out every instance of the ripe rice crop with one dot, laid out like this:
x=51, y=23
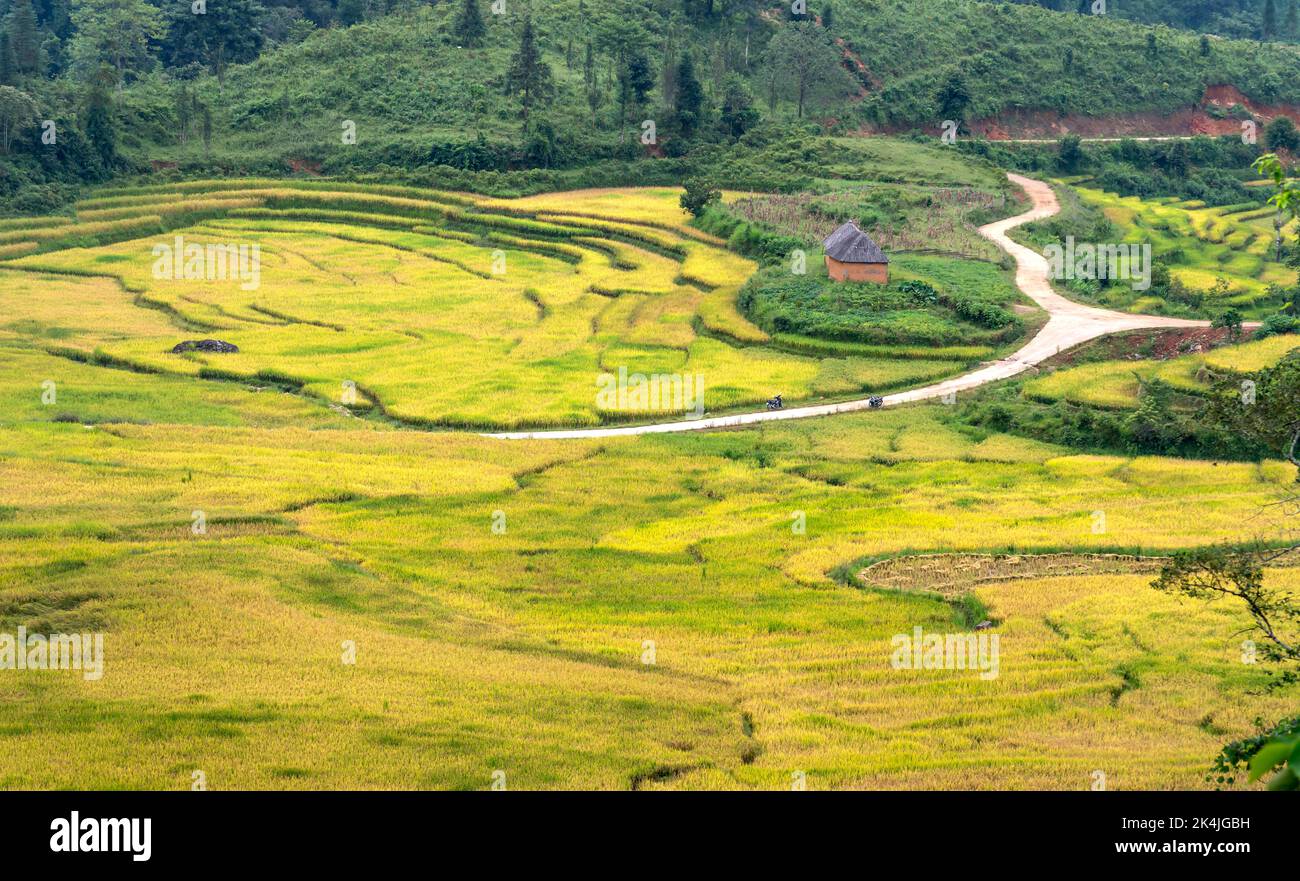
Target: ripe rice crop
x=1200, y=246
x=369, y=286
x=1115, y=384
x=321, y=528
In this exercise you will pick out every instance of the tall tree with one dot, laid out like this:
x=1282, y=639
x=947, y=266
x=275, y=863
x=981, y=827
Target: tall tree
x=8, y=69
x=595, y=98
x=54, y=17
x=1281, y=134
x=624, y=41
x=469, y=28
x=771, y=76
x=351, y=12
x=808, y=60
x=206, y=129
x=184, y=112
x=635, y=80
x=738, y=114
x=953, y=99
x=24, y=40
x=1269, y=25
x=17, y=111
x=1070, y=153
x=1293, y=19
x=688, y=105
x=529, y=77
x=97, y=122
x=668, y=77
x=117, y=33
x=226, y=33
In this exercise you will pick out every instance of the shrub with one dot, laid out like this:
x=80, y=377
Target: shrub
x=1281, y=134
x=699, y=195
x=1276, y=324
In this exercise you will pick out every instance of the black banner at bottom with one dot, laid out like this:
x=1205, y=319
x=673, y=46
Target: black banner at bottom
x=141, y=830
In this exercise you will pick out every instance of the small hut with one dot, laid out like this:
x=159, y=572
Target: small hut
x=851, y=255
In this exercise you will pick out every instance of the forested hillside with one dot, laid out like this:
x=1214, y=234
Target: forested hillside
x=1026, y=57
x=1240, y=19
x=99, y=88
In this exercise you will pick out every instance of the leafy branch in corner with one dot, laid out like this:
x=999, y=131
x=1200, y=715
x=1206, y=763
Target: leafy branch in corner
x=1220, y=571
x=1238, y=572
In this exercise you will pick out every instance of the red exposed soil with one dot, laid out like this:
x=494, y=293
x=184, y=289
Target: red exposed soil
x=1147, y=345
x=864, y=78
x=304, y=166
x=1173, y=343
x=1049, y=124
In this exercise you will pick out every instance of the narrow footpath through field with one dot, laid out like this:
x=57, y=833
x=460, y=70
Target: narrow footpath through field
x=1068, y=325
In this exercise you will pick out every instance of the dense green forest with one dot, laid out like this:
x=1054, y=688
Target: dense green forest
x=469, y=90
x=1239, y=19
x=1013, y=57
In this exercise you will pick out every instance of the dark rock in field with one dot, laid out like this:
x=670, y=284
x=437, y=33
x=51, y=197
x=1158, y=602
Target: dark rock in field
x=204, y=346
x=984, y=625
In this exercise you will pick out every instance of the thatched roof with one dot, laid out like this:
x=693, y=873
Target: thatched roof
x=848, y=244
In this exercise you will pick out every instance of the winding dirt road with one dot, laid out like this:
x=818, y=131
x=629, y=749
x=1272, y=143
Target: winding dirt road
x=1068, y=325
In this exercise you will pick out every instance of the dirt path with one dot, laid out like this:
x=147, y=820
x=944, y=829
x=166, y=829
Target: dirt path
x=1069, y=324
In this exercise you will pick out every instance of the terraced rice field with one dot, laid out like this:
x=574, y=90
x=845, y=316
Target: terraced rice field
x=1201, y=245
x=1116, y=384
x=429, y=308
x=645, y=616
x=294, y=597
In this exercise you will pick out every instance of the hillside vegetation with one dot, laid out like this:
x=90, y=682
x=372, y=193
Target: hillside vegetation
x=370, y=92
x=1025, y=57
x=1142, y=402
x=1277, y=20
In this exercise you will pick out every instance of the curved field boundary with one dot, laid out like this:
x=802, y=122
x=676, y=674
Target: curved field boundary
x=952, y=575
x=1069, y=324
x=955, y=574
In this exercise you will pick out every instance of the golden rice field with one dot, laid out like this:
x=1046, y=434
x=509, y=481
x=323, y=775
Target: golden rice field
x=1116, y=384
x=432, y=309
x=522, y=648
x=1201, y=245
x=293, y=595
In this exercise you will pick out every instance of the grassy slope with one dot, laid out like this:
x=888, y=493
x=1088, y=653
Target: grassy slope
x=1012, y=57
x=1242, y=18
x=404, y=83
